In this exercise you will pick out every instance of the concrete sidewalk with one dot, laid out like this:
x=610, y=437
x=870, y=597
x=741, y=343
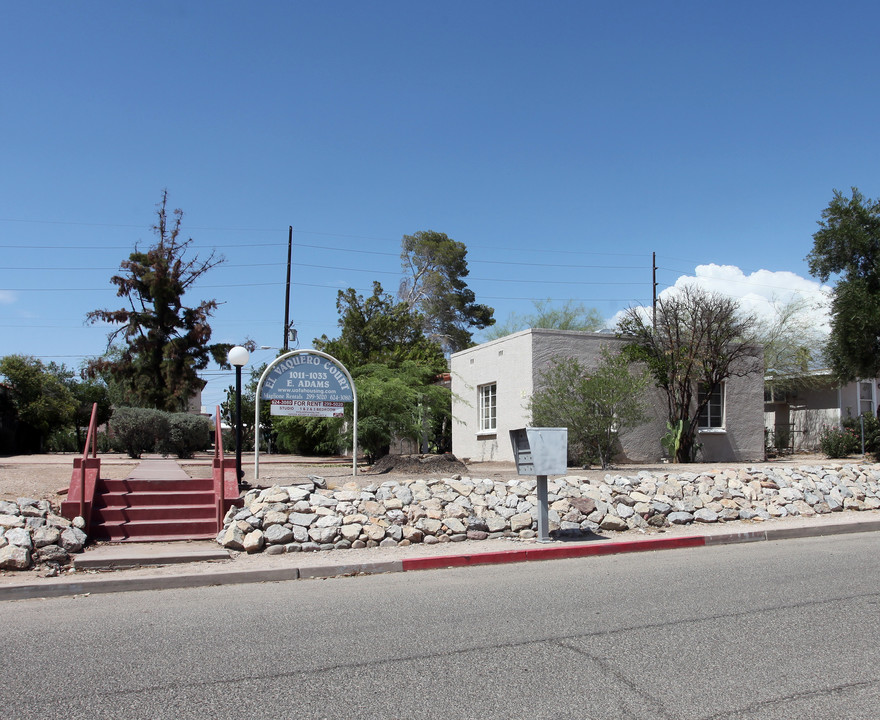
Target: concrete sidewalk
x=159, y=468
x=204, y=563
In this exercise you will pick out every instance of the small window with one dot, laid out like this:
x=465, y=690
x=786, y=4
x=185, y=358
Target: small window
x=866, y=398
x=487, y=395
x=712, y=415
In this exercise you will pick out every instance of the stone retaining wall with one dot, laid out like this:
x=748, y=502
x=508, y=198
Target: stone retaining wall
x=305, y=516
x=31, y=533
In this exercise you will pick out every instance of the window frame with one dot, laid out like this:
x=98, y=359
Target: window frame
x=487, y=409
x=871, y=400
x=711, y=413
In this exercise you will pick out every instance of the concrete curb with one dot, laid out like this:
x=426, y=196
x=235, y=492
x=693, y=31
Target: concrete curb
x=97, y=585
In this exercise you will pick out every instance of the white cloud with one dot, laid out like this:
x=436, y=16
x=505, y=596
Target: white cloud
x=758, y=292
x=7, y=297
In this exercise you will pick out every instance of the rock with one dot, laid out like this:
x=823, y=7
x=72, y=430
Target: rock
x=704, y=515
x=657, y=520
x=374, y=532
x=680, y=518
x=233, y=538
x=520, y=522
x=11, y=521
x=73, y=539
x=274, y=517
x=323, y=535
x=13, y=557
x=328, y=521
x=302, y=519
x=351, y=532
x=610, y=522
x=51, y=554
x=624, y=511
x=456, y=526
x=278, y=535
x=19, y=537
x=254, y=541
x=429, y=526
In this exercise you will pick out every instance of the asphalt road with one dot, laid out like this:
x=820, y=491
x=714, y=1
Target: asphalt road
x=767, y=630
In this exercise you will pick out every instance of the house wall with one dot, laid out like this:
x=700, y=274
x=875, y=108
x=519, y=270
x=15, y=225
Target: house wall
x=516, y=363
x=641, y=444
x=742, y=438
x=849, y=399
x=506, y=362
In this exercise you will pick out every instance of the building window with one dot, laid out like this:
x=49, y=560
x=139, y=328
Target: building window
x=487, y=395
x=866, y=398
x=712, y=415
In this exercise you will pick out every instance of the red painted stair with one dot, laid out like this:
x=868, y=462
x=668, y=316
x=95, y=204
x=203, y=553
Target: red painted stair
x=148, y=510
x=157, y=501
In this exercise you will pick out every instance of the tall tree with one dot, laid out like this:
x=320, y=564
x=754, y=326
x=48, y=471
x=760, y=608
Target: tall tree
x=700, y=339
x=569, y=316
x=792, y=344
x=435, y=268
x=159, y=344
x=379, y=330
x=848, y=245
x=596, y=405
x=395, y=368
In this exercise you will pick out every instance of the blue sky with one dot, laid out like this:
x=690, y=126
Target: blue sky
x=562, y=142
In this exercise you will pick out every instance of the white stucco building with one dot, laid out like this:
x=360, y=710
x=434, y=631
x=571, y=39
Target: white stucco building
x=493, y=382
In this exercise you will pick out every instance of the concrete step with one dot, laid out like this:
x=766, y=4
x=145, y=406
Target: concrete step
x=127, y=555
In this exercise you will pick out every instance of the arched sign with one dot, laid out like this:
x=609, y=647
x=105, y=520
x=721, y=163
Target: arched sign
x=306, y=383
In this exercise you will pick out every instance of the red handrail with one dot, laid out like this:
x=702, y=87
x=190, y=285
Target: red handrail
x=91, y=439
x=218, y=463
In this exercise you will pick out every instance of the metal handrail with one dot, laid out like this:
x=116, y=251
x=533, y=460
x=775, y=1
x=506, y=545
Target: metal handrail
x=218, y=464
x=91, y=439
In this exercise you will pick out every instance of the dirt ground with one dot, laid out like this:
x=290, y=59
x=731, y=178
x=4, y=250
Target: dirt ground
x=48, y=476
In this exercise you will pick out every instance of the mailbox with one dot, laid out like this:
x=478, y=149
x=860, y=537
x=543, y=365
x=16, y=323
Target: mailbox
x=540, y=451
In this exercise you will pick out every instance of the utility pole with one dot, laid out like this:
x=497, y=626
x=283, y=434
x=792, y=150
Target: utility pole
x=287, y=293
x=654, y=303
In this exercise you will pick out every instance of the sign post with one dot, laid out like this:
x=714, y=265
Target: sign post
x=306, y=383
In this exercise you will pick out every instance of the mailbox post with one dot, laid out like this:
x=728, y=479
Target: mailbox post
x=541, y=452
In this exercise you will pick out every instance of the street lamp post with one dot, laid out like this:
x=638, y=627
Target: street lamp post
x=238, y=356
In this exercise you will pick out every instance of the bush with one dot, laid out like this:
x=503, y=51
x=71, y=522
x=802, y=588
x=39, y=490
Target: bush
x=62, y=441
x=138, y=430
x=872, y=432
x=187, y=434
x=838, y=443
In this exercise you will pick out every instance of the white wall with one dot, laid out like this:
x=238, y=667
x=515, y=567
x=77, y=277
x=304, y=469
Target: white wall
x=506, y=362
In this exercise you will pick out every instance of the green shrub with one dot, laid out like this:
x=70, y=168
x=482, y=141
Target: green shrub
x=187, y=434
x=105, y=443
x=138, y=430
x=62, y=441
x=838, y=443
x=872, y=432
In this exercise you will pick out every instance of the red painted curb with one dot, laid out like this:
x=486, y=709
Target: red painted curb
x=556, y=552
